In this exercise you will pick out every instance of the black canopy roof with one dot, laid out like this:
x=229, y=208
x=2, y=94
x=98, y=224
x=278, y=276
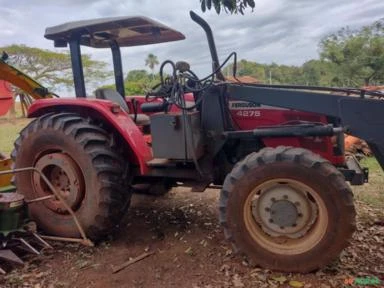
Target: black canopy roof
x=126, y=31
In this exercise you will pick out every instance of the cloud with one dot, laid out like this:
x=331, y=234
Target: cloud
x=281, y=31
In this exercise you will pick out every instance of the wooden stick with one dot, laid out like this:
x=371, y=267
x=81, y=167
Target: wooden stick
x=132, y=261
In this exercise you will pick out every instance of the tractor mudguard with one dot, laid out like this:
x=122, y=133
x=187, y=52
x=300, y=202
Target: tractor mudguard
x=110, y=113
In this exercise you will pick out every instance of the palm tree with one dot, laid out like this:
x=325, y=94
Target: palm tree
x=151, y=62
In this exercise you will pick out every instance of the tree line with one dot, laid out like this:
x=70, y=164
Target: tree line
x=347, y=58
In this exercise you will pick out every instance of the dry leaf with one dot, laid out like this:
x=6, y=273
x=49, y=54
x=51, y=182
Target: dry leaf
x=296, y=284
x=280, y=279
x=189, y=251
x=236, y=280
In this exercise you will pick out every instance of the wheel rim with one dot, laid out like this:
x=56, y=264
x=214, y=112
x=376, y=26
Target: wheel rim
x=285, y=216
x=65, y=175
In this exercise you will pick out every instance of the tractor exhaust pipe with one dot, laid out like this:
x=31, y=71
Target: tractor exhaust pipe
x=211, y=42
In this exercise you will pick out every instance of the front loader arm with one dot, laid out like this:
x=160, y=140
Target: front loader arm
x=359, y=116
x=23, y=81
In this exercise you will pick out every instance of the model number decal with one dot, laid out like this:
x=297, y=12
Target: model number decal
x=248, y=113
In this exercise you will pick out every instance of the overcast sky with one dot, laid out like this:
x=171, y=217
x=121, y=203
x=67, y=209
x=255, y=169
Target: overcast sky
x=281, y=31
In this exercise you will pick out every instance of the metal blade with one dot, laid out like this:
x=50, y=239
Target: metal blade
x=26, y=246
x=9, y=256
x=42, y=241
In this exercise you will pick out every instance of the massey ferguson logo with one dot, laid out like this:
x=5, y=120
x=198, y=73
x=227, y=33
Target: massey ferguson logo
x=241, y=105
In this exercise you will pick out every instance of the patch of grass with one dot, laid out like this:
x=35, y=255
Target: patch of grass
x=9, y=130
x=372, y=193
x=372, y=164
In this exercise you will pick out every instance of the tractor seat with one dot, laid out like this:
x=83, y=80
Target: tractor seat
x=114, y=96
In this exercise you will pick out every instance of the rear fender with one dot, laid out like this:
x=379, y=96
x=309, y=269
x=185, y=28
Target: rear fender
x=111, y=115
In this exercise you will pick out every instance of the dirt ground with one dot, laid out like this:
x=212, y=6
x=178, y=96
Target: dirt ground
x=189, y=248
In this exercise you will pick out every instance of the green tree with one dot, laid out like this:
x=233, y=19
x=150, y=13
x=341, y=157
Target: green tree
x=53, y=69
x=321, y=73
x=284, y=74
x=139, y=82
x=151, y=62
x=137, y=75
x=229, y=6
x=358, y=54
x=247, y=68
x=134, y=88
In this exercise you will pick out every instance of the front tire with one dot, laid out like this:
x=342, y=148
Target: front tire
x=287, y=209
x=80, y=159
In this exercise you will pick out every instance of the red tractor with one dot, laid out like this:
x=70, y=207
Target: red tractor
x=285, y=202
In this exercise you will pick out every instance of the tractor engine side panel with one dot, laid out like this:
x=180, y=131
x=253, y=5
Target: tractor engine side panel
x=174, y=138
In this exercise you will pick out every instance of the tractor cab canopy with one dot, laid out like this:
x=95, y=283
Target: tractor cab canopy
x=125, y=31
x=111, y=33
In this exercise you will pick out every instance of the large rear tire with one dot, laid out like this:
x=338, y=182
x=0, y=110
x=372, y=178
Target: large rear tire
x=81, y=161
x=287, y=209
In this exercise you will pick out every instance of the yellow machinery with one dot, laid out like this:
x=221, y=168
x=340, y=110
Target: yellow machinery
x=29, y=86
x=22, y=81
x=5, y=180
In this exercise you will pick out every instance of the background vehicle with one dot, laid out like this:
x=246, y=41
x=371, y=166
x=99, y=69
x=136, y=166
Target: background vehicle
x=284, y=202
